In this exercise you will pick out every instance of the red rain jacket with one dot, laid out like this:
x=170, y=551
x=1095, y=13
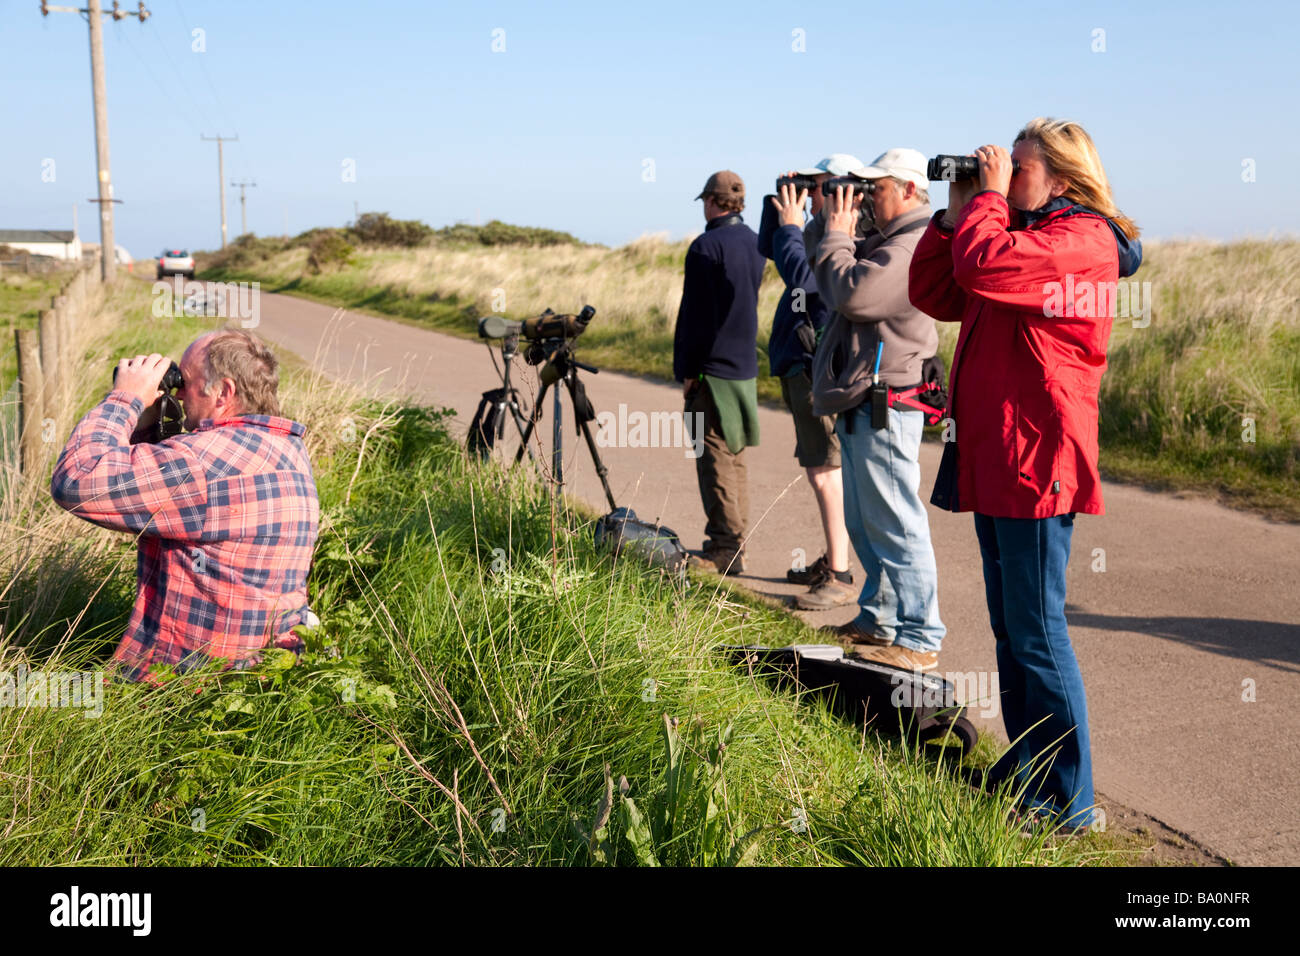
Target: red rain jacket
x=1023, y=387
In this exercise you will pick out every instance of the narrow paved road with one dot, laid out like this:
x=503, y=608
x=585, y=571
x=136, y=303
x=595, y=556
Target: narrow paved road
x=1185, y=615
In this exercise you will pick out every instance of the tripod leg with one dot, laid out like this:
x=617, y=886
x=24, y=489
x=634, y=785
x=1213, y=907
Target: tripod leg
x=532, y=422
x=520, y=427
x=601, y=470
x=557, y=448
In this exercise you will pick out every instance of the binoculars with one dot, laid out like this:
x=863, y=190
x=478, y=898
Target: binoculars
x=807, y=183
x=171, y=379
x=950, y=169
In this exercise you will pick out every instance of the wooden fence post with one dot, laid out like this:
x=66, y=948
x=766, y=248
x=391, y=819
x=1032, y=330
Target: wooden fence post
x=31, y=413
x=52, y=347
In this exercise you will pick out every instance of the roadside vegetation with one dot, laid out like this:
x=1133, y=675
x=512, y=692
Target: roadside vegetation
x=486, y=687
x=1205, y=397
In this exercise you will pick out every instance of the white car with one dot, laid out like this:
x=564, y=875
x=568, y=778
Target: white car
x=175, y=262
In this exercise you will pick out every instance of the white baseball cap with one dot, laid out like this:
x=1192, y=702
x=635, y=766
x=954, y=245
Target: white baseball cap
x=905, y=164
x=837, y=164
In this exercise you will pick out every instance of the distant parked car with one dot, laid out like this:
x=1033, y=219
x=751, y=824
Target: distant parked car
x=175, y=262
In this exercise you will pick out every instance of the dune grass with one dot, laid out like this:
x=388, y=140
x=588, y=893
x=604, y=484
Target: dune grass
x=486, y=687
x=1207, y=397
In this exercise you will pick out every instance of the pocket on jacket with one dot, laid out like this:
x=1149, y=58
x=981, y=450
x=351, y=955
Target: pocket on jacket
x=1040, y=435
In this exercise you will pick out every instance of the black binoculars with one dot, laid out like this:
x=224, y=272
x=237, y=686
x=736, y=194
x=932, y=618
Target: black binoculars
x=171, y=379
x=864, y=186
x=951, y=169
x=807, y=183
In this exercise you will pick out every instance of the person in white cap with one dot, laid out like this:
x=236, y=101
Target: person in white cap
x=800, y=317
x=866, y=282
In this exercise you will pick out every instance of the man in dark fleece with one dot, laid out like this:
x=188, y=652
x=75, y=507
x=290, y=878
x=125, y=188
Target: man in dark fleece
x=715, y=356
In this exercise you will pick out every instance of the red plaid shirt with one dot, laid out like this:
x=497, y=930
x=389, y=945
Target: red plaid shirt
x=226, y=516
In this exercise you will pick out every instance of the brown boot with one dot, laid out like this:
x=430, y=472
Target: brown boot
x=853, y=637
x=829, y=592
x=810, y=576
x=718, y=560
x=895, y=655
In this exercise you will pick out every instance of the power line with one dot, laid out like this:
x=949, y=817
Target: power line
x=162, y=89
x=181, y=16
x=207, y=78
x=189, y=94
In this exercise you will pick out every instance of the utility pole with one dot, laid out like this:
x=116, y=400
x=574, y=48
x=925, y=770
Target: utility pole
x=221, y=177
x=243, y=214
x=107, y=248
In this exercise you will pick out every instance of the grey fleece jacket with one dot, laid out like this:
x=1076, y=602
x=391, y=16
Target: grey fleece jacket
x=865, y=282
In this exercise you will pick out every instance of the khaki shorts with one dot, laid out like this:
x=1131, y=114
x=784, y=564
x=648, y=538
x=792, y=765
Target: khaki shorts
x=815, y=443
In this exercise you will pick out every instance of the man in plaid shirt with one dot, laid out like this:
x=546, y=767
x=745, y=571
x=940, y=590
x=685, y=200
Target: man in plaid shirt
x=226, y=514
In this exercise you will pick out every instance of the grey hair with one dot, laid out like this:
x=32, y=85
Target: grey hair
x=922, y=193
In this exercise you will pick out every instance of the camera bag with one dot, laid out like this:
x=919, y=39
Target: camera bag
x=914, y=706
x=623, y=531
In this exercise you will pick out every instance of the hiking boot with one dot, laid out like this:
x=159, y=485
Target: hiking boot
x=718, y=560
x=828, y=593
x=853, y=636
x=895, y=655
x=1033, y=823
x=810, y=576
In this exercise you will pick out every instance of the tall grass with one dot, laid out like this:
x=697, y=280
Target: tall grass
x=1208, y=395
x=485, y=687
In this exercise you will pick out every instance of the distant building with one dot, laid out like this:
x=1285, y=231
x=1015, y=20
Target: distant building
x=55, y=243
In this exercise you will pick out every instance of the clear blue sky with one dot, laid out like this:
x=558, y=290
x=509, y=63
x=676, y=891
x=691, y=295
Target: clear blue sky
x=554, y=131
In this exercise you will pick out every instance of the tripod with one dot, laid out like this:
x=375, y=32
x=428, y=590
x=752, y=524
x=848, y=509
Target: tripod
x=560, y=365
x=507, y=397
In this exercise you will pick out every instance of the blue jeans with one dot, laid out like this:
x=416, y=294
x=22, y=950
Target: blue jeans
x=889, y=528
x=1024, y=583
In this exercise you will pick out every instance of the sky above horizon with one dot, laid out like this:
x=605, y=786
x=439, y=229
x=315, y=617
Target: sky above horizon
x=605, y=121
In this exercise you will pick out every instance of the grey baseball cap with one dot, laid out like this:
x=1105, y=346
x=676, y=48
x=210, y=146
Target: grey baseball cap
x=837, y=164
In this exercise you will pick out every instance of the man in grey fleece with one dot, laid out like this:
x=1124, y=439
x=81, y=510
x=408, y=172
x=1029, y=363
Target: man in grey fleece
x=865, y=282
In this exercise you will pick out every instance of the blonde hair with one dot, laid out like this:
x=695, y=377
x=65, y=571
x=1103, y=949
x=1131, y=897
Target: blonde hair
x=243, y=358
x=1070, y=155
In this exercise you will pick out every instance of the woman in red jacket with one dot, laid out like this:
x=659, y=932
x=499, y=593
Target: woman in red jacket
x=1027, y=260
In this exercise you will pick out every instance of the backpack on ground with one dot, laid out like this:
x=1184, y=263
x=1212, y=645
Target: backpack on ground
x=623, y=531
